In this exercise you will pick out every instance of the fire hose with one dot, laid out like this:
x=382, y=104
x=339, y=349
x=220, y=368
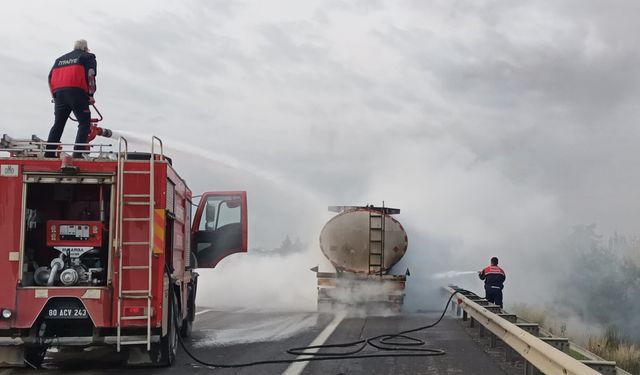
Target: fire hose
x=398, y=342
x=94, y=129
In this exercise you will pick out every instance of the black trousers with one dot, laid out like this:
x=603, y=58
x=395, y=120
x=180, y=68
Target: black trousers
x=67, y=101
x=494, y=295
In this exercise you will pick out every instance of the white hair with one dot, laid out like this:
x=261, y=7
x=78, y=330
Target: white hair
x=81, y=44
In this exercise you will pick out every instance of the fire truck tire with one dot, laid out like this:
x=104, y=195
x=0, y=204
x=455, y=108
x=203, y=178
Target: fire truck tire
x=165, y=351
x=34, y=356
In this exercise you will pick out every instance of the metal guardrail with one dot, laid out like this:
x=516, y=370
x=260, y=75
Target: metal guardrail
x=535, y=351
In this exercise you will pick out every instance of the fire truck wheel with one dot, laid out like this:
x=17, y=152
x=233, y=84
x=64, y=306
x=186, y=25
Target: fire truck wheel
x=168, y=346
x=34, y=356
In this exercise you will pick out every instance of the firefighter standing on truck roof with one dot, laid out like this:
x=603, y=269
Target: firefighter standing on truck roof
x=493, y=277
x=72, y=81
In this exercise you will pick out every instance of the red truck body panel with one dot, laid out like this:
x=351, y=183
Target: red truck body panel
x=11, y=187
x=100, y=301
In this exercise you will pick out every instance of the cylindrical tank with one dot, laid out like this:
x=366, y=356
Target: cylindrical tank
x=347, y=238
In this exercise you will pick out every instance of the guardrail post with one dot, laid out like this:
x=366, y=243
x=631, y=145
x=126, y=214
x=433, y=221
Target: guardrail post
x=530, y=369
x=494, y=309
x=509, y=354
x=493, y=340
x=532, y=328
x=560, y=343
x=603, y=367
x=511, y=318
x=464, y=316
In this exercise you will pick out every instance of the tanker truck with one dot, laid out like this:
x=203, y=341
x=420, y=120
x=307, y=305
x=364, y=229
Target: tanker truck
x=362, y=243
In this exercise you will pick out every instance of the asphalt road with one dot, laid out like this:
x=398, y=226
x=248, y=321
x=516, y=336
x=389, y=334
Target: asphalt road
x=238, y=337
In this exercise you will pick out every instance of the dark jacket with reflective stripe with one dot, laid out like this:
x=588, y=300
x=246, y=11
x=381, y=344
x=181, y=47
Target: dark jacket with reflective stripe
x=493, y=277
x=76, y=69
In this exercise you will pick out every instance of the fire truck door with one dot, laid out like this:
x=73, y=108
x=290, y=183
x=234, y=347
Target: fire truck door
x=220, y=227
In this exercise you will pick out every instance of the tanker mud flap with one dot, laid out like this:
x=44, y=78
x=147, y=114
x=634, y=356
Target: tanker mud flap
x=12, y=356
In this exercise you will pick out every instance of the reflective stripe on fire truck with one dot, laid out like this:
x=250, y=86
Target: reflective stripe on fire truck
x=158, y=230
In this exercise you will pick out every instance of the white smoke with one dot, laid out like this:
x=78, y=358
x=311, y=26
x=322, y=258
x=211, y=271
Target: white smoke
x=259, y=282
x=452, y=274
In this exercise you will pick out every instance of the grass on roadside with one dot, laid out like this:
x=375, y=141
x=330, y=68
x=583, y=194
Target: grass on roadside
x=612, y=347
x=609, y=345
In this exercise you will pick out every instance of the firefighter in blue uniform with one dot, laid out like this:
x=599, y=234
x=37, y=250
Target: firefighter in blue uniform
x=493, y=277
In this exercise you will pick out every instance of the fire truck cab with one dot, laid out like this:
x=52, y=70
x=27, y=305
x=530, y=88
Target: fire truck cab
x=102, y=250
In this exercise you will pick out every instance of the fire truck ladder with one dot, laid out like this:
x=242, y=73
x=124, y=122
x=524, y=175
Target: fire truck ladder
x=376, y=241
x=126, y=247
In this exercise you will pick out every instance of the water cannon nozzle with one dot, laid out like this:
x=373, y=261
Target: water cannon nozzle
x=104, y=132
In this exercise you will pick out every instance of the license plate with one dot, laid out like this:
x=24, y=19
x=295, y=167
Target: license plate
x=66, y=313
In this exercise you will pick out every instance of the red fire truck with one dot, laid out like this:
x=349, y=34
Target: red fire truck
x=102, y=250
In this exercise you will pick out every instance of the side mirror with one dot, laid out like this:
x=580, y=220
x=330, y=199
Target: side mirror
x=211, y=213
x=233, y=203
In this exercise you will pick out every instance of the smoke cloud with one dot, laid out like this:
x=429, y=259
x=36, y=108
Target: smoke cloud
x=262, y=282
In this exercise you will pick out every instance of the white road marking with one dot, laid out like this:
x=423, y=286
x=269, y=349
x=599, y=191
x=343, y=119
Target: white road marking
x=296, y=367
x=203, y=311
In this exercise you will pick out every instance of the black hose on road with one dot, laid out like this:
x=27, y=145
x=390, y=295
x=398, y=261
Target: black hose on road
x=399, y=343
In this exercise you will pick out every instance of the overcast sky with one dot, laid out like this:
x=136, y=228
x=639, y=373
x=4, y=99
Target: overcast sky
x=484, y=121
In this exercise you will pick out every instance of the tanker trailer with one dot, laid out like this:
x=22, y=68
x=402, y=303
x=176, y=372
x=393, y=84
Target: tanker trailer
x=362, y=243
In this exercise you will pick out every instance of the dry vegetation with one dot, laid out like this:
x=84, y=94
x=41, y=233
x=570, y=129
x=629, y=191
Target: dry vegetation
x=608, y=345
x=611, y=347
